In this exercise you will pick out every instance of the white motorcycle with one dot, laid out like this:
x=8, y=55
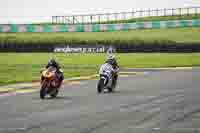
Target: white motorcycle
x=106, y=79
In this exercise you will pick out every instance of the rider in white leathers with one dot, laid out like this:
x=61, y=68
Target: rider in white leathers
x=110, y=70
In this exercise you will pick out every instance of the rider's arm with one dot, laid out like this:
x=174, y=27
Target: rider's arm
x=116, y=70
x=47, y=65
x=57, y=65
x=101, y=69
x=115, y=63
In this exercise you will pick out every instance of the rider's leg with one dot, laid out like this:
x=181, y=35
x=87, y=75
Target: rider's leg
x=61, y=77
x=42, y=78
x=114, y=83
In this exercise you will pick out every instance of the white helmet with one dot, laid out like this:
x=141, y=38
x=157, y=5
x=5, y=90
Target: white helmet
x=110, y=59
x=111, y=56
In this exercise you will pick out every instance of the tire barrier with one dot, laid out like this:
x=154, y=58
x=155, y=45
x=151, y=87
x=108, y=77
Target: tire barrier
x=13, y=28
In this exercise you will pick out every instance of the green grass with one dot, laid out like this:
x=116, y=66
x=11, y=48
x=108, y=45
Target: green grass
x=158, y=36
x=25, y=67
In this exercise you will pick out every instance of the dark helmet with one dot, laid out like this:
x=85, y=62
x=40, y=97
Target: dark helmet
x=52, y=61
x=110, y=61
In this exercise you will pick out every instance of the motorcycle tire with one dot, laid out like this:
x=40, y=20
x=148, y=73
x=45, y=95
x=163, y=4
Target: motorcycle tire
x=110, y=89
x=100, y=86
x=54, y=95
x=43, y=90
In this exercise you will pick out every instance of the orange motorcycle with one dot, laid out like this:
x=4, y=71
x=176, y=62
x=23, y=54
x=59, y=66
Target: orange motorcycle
x=50, y=83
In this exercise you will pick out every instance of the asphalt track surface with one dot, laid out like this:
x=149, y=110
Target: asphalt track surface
x=155, y=102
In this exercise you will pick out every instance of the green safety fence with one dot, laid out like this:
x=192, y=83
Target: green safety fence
x=156, y=24
x=47, y=28
x=79, y=28
x=196, y=23
x=95, y=27
x=98, y=27
x=63, y=28
x=30, y=28
x=14, y=28
x=126, y=27
x=184, y=23
x=111, y=27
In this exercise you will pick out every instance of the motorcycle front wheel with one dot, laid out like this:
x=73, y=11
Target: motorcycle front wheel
x=43, y=90
x=100, y=86
x=110, y=89
x=54, y=95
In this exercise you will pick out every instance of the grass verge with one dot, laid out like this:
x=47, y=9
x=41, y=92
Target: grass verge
x=25, y=67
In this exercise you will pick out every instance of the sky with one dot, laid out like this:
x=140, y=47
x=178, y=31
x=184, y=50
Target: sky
x=12, y=10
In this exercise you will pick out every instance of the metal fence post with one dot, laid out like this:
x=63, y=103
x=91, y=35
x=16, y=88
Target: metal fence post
x=188, y=11
x=149, y=13
x=180, y=12
x=108, y=17
x=115, y=16
x=99, y=19
x=124, y=15
x=157, y=12
x=52, y=19
x=196, y=11
x=133, y=14
x=73, y=20
x=90, y=19
x=63, y=19
x=56, y=19
x=164, y=12
x=141, y=12
x=82, y=19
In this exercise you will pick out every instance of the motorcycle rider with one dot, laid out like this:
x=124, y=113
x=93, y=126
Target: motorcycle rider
x=112, y=66
x=53, y=63
x=113, y=62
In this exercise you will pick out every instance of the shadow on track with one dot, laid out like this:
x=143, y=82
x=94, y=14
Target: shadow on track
x=59, y=98
x=56, y=98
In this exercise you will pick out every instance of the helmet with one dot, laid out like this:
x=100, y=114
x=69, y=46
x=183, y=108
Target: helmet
x=52, y=61
x=110, y=59
x=111, y=56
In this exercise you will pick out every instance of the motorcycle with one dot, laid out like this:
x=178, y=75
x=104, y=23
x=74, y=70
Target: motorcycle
x=50, y=83
x=106, y=81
